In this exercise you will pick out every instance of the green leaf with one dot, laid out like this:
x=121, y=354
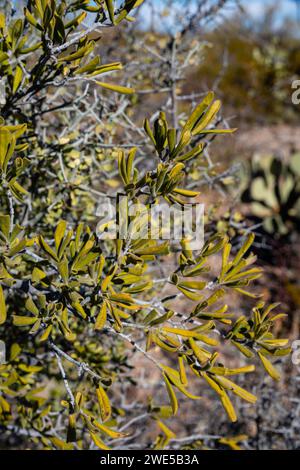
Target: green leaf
x=106, y=68
x=31, y=19
x=5, y=225
x=45, y=335
x=194, y=153
x=207, y=118
x=228, y=406
x=171, y=139
x=47, y=249
x=198, y=112
x=31, y=307
x=270, y=369
x=213, y=384
x=3, y=312
x=37, y=275
x=201, y=354
x=218, y=131
x=117, y=88
x=76, y=21
x=101, y=318
x=148, y=131
x=167, y=431
x=7, y=146
x=186, y=192
x=225, y=257
x=63, y=268
x=60, y=233
x=183, y=142
x=60, y=444
x=104, y=404
x=17, y=190
x=107, y=430
x=239, y=391
x=129, y=5
x=14, y=351
x=174, y=378
x=129, y=162
x=17, y=79
x=162, y=249
x=88, y=68
x=79, y=309
x=182, y=372
x=99, y=443
x=82, y=52
x=111, y=10
x=33, y=48
x=23, y=321
x=195, y=296
x=172, y=395
x=122, y=167
x=243, y=249
x=218, y=294
x=2, y=21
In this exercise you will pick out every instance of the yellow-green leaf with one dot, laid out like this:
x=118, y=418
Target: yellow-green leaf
x=23, y=321
x=172, y=395
x=99, y=443
x=111, y=10
x=17, y=79
x=108, y=431
x=104, y=404
x=44, y=245
x=117, y=88
x=3, y=311
x=59, y=233
x=101, y=318
x=228, y=406
x=270, y=369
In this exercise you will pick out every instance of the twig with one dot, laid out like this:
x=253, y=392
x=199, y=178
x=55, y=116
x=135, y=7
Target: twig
x=82, y=366
x=65, y=379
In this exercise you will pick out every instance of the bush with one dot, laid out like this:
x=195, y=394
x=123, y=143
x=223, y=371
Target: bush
x=78, y=306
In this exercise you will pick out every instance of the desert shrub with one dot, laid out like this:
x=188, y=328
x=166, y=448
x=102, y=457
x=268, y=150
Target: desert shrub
x=273, y=192
x=78, y=307
x=260, y=60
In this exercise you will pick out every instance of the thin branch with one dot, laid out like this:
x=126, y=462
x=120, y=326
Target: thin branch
x=65, y=379
x=82, y=366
